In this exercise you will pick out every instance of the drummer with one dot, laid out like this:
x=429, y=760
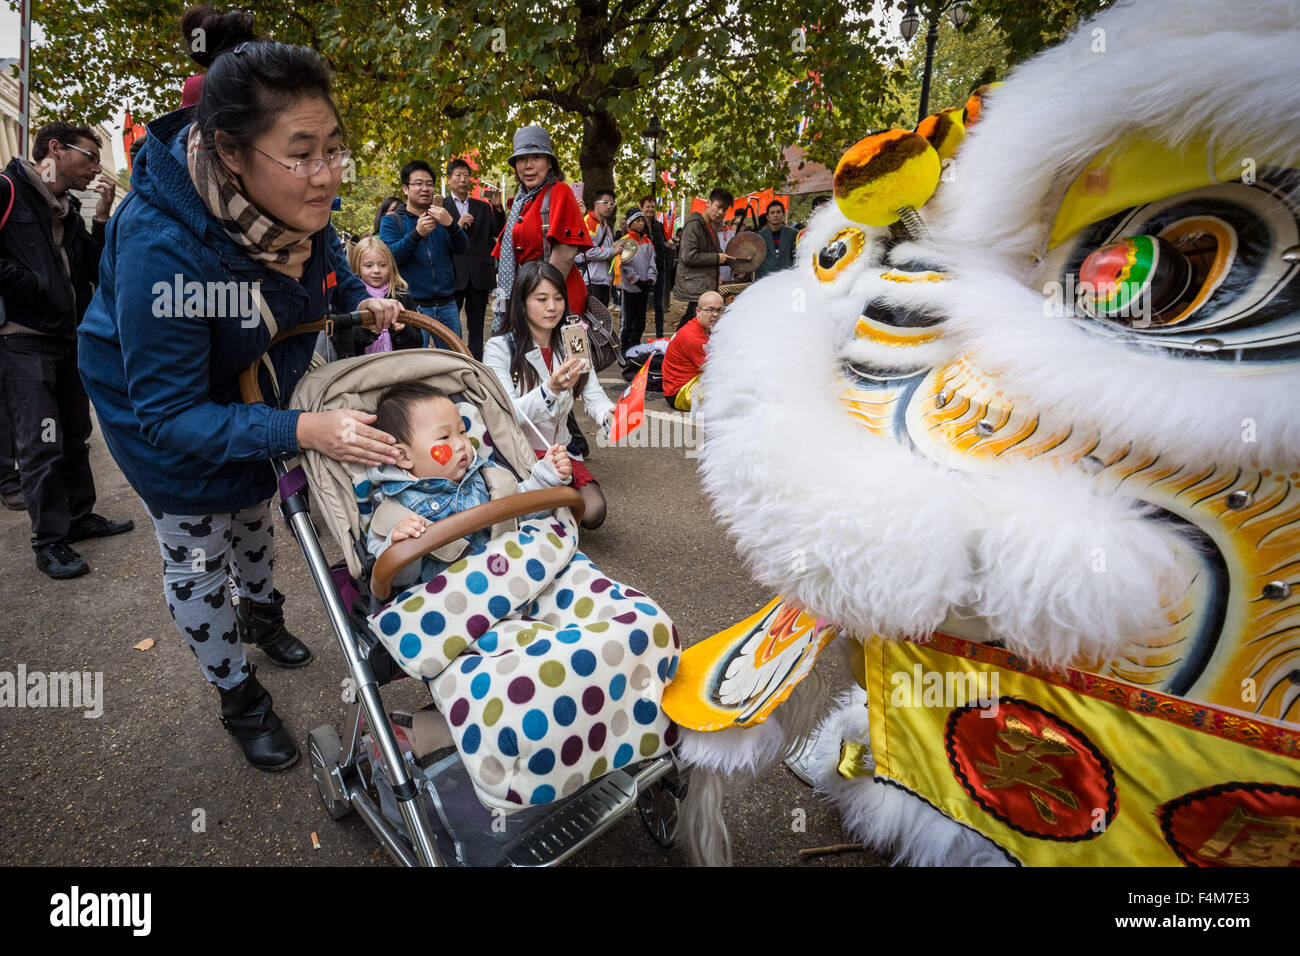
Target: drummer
x=638, y=277
x=697, y=265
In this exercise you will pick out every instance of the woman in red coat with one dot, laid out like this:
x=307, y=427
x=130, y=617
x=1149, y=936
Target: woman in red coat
x=539, y=175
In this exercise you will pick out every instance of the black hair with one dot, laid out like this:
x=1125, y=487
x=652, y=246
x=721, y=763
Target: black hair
x=251, y=82
x=528, y=277
x=384, y=208
x=456, y=164
x=776, y=202
x=393, y=415
x=722, y=196
x=412, y=166
x=603, y=192
x=207, y=31
x=65, y=133
x=820, y=201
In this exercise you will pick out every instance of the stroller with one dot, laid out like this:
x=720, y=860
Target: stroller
x=561, y=650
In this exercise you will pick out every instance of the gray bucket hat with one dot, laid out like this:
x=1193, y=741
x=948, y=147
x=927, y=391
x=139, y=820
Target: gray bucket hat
x=531, y=139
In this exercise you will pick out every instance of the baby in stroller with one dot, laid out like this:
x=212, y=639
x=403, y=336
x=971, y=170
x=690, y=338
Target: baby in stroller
x=438, y=473
x=549, y=673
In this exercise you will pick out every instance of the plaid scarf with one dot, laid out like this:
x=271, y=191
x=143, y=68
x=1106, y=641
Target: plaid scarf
x=262, y=238
x=506, y=264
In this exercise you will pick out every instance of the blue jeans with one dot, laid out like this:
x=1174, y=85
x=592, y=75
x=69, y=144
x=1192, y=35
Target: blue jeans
x=447, y=314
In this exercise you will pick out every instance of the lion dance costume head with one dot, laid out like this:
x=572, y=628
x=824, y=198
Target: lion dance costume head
x=1040, y=359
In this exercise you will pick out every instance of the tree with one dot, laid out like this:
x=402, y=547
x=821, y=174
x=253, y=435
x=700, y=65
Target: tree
x=730, y=79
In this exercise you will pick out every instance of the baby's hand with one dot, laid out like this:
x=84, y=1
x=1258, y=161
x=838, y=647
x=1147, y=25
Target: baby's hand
x=409, y=527
x=558, y=458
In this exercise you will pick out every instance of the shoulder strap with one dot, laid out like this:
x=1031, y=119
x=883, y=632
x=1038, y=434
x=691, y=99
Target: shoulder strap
x=546, y=222
x=9, y=207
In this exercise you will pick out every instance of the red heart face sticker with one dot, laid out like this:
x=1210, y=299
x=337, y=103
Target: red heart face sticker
x=441, y=453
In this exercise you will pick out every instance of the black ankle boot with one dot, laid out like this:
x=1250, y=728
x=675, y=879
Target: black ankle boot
x=246, y=712
x=262, y=623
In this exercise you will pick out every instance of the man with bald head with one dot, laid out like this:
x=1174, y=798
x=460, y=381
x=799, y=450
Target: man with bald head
x=684, y=360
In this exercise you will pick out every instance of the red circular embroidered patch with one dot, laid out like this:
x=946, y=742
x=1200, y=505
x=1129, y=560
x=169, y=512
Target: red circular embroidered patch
x=1235, y=824
x=1033, y=771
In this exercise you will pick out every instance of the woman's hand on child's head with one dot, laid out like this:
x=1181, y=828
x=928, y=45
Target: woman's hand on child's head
x=344, y=434
x=385, y=312
x=412, y=526
x=557, y=456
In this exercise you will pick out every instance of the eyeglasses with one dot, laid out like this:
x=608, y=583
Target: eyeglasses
x=89, y=155
x=420, y=184
x=604, y=202
x=310, y=167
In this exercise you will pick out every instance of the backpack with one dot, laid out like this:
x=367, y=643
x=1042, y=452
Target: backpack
x=596, y=319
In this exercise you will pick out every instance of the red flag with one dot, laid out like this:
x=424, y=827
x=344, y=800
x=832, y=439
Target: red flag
x=131, y=131
x=629, y=413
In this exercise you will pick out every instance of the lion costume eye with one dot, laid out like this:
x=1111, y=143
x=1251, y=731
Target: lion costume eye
x=834, y=257
x=1165, y=247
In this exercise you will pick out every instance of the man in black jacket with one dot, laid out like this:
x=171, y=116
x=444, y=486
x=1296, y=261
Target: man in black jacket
x=49, y=265
x=476, y=270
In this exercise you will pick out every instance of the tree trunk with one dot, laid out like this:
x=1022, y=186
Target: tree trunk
x=600, y=142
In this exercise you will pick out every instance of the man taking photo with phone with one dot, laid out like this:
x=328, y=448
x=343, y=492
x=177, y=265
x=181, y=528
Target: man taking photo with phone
x=424, y=237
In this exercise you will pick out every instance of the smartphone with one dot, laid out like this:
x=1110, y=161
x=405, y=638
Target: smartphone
x=437, y=201
x=574, y=337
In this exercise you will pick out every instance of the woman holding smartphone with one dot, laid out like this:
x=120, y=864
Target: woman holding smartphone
x=233, y=194
x=543, y=380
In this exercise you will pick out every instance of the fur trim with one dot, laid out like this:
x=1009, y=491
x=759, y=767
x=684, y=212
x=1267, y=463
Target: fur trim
x=885, y=818
x=867, y=542
x=1065, y=574
x=702, y=824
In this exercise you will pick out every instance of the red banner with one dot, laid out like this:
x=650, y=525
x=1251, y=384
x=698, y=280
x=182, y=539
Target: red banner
x=131, y=132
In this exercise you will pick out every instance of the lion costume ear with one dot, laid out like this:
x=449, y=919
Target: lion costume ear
x=974, y=109
x=945, y=131
x=885, y=178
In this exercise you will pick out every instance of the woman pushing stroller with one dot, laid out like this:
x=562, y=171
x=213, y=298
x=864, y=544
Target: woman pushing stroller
x=235, y=192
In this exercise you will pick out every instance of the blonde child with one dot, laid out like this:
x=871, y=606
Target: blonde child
x=372, y=262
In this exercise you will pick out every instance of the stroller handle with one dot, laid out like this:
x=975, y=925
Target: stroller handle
x=402, y=553
x=251, y=392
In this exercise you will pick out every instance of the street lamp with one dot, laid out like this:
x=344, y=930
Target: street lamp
x=958, y=11
x=651, y=136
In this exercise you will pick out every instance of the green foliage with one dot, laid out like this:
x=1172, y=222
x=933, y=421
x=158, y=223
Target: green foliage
x=729, y=79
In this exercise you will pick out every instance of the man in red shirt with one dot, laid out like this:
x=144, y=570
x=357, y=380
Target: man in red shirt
x=684, y=360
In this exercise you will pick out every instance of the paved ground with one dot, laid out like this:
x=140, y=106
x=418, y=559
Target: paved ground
x=156, y=780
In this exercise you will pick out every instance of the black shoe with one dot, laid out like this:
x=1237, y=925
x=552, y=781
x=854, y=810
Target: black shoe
x=246, y=712
x=60, y=562
x=14, y=500
x=97, y=526
x=262, y=623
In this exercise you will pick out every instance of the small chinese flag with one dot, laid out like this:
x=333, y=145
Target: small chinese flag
x=629, y=413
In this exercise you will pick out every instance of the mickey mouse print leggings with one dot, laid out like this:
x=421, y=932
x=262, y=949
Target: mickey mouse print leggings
x=199, y=553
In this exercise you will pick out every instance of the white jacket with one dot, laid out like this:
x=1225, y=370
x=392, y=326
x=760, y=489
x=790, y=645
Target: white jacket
x=549, y=412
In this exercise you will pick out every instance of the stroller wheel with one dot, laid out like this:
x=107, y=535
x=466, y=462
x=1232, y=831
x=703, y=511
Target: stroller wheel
x=658, y=806
x=325, y=749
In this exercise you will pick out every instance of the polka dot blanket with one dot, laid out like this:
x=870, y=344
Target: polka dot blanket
x=550, y=675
